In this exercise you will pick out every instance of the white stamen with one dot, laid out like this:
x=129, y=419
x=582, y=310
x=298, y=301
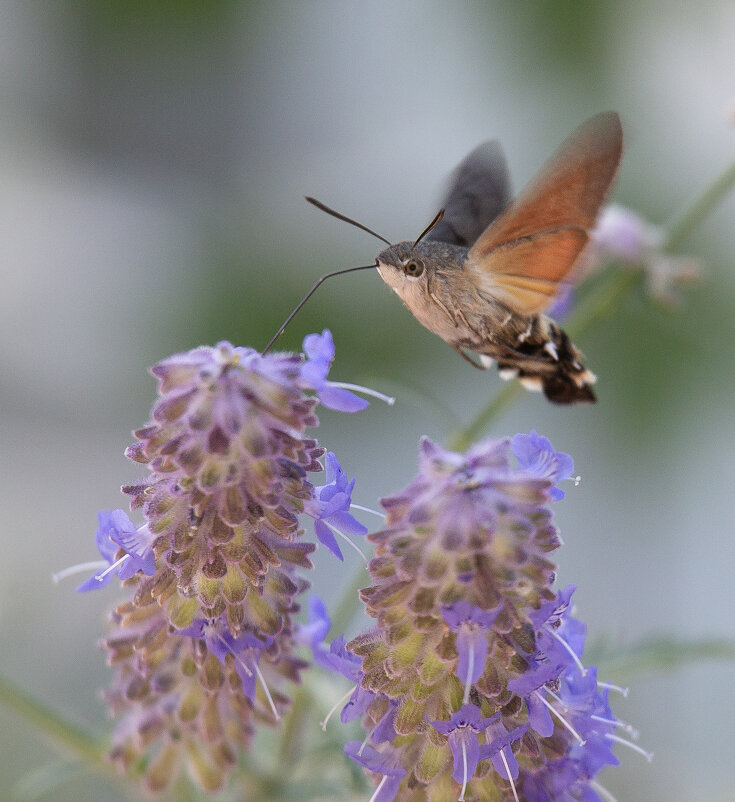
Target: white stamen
x=367, y=509
x=507, y=771
x=561, y=718
x=470, y=671
x=460, y=798
x=267, y=692
x=610, y=687
x=576, y=479
x=632, y=731
x=378, y=789
x=571, y=651
x=365, y=391
x=334, y=707
x=237, y=657
x=344, y=537
x=366, y=739
x=100, y=577
x=634, y=747
x=603, y=792
x=77, y=569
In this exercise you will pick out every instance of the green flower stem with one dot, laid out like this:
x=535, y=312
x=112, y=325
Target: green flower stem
x=291, y=740
x=67, y=735
x=658, y=654
x=604, y=301
x=680, y=228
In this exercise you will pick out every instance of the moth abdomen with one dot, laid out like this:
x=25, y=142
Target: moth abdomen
x=551, y=363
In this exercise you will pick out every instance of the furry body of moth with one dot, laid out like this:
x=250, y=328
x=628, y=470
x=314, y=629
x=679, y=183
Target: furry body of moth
x=471, y=318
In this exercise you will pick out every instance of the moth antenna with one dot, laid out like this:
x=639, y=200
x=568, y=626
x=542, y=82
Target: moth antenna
x=306, y=298
x=322, y=207
x=433, y=224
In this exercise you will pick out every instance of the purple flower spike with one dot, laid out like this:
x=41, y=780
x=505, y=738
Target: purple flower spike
x=536, y=455
x=198, y=645
x=319, y=352
x=463, y=597
x=115, y=531
x=462, y=730
x=331, y=505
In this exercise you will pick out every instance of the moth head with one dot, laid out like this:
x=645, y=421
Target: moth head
x=405, y=268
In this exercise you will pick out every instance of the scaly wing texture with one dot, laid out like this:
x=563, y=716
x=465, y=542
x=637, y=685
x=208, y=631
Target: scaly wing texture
x=526, y=252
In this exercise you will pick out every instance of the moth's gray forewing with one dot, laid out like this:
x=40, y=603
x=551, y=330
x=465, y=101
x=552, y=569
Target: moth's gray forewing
x=479, y=189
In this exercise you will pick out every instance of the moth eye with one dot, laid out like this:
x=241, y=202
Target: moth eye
x=413, y=268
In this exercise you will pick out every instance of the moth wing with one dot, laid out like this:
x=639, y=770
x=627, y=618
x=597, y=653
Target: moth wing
x=526, y=252
x=479, y=190
x=505, y=273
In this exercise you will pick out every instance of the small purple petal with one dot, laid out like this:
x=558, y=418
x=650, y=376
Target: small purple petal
x=343, y=662
x=319, y=347
x=146, y=564
x=539, y=716
x=341, y=400
x=385, y=729
x=326, y=537
x=472, y=650
x=510, y=759
x=536, y=455
x=94, y=584
x=456, y=740
x=357, y=705
x=314, y=374
x=347, y=523
x=384, y=762
x=315, y=630
x=534, y=679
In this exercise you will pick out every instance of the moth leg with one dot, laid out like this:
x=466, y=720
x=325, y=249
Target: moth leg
x=468, y=359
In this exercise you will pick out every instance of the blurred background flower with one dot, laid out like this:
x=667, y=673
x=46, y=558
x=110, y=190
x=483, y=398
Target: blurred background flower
x=154, y=159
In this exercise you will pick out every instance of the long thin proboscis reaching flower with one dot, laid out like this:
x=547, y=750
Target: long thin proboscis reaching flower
x=324, y=208
x=308, y=295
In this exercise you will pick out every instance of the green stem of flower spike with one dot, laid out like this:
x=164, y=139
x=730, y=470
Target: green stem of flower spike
x=65, y=734
x=604, y=301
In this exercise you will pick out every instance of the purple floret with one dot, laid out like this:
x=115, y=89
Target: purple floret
x=462, y=730
x=331, y=505
x=319, y=352
x=536, y=455
x=385, y=763
x=472, y=625
x=116, y=530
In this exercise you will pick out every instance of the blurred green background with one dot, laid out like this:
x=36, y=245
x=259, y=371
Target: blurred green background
x=153, y=159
